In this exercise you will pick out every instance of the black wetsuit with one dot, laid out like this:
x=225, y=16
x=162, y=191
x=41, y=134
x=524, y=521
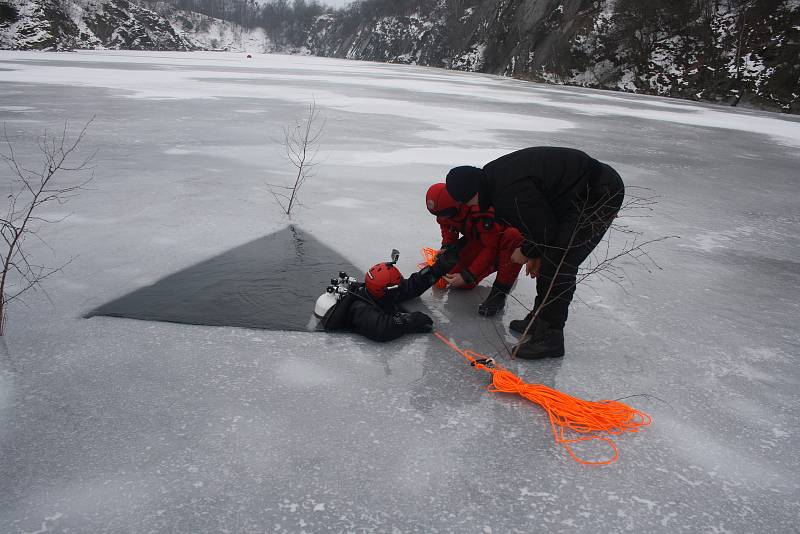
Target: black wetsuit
x=381, y=319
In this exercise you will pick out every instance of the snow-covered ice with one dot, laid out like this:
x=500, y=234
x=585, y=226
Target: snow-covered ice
x=120, y=425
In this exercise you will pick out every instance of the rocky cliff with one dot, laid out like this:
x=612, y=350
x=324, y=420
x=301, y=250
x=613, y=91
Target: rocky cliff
x=118, y=24
x=57, y=24
x=728, y=52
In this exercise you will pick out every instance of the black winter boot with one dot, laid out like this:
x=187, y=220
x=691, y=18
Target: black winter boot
x=519, y=325
x=496, y=300
x=546, y=342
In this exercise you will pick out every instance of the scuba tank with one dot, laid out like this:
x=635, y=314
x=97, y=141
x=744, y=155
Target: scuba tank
x=331, y=307
x=333, y=293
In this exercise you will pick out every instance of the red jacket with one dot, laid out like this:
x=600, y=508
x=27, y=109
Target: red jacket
x=479, y=227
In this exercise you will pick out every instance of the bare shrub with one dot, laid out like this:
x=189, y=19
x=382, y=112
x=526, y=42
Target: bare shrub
x=30, y=190
x=301, y=143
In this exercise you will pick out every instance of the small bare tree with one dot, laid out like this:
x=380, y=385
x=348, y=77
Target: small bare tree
x=30, y=190
x=301, y=142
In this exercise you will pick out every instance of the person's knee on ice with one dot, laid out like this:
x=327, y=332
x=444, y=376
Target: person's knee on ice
x=507, y=272
x=495, y=300
x=460, y=276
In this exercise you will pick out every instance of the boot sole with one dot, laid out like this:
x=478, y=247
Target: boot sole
x=542, y=356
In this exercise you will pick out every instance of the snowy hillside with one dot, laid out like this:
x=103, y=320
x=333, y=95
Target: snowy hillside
x=118, y=24
x=206, y=33
x=117, y=425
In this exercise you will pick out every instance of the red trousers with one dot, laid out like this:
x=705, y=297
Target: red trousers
x=501, y=263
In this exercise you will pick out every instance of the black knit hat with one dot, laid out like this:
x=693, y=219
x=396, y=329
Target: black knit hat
x=463, y=182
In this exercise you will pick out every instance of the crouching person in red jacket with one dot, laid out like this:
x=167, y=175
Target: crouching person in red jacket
x=373, y=309
x=489, y=247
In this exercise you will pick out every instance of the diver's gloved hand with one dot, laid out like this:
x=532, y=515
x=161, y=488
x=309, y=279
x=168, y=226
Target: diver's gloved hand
x=447, y=258
x=416, y=322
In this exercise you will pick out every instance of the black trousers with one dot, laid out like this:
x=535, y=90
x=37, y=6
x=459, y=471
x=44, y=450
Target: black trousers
x=578, y=236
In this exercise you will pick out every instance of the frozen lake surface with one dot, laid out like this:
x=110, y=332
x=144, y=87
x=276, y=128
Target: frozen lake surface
x=120, y=425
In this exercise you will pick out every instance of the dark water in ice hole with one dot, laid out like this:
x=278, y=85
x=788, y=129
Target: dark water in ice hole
x=270, y=283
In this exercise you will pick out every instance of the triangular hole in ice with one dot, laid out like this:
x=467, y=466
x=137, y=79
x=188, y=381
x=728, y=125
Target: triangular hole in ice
x=270, y=283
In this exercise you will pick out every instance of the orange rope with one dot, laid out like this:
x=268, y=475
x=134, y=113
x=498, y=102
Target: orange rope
x=430, y=258
x=565, y=412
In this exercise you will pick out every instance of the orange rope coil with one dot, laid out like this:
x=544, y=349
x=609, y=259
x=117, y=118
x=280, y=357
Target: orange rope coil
x=565, y=412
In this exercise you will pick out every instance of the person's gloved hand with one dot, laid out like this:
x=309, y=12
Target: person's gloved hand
x=417, y=322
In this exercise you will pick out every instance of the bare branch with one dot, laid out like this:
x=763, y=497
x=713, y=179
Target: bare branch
x=300, y=143
x=34, y=189
x=592, y=220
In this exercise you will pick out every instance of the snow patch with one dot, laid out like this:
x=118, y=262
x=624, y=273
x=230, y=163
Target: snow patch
x=345, y=202
x=175, y=151
x=210, y=33
x=17, y=109
x=710, y=241
x=304, y=373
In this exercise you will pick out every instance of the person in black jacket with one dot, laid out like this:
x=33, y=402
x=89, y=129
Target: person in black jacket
x=373, y=309
x=563, y=201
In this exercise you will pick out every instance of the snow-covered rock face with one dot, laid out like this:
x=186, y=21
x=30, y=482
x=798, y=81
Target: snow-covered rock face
x=414, y=39
x=27, y=25
x=119, y=24
x=38, y=24
x=747, y=56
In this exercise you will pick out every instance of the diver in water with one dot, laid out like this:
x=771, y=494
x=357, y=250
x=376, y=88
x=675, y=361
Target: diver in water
x=372, y=308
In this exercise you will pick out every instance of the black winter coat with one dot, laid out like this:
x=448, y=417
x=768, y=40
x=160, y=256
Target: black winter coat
x=380, y=320
x=539, y=190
